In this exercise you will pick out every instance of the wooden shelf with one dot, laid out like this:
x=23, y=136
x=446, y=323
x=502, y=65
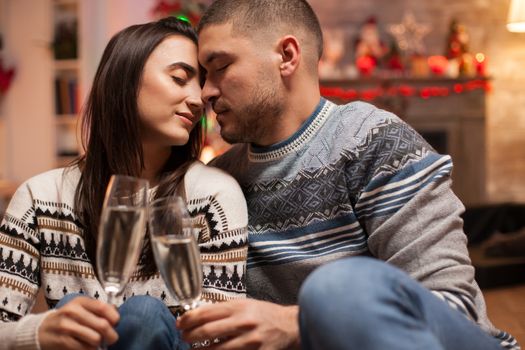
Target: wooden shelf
x=67, y=79
x=71, y=64
x=66, y=119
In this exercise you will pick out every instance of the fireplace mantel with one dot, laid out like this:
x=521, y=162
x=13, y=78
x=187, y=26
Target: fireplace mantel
x=453, y=124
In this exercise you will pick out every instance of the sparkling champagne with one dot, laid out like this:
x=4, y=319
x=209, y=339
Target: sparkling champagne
x=179, y=263
x=122, y=229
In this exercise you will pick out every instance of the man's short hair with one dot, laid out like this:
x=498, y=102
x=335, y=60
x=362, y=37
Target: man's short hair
x=258, y=16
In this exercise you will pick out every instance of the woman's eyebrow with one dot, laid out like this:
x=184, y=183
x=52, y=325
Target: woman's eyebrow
x=190, y=69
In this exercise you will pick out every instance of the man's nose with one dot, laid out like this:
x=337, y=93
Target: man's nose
x=210, y=92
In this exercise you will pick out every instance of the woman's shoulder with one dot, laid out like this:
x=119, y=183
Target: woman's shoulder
x=50, y=184
x=53, y=187
x=68, y=176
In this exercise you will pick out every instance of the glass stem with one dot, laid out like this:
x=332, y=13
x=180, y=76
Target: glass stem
x=112, y=298
x=191, y=306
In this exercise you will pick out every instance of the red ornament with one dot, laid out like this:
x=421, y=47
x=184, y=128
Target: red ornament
x=366, y=65
x=6, y=76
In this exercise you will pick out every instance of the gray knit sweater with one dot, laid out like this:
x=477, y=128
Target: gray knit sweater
x=354, y=180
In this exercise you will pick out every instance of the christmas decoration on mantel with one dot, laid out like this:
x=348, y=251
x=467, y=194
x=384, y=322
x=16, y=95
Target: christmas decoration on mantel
x=401, y=55
x=186, y=10
x=409, y=35
x=369, y=49
x=404, y=90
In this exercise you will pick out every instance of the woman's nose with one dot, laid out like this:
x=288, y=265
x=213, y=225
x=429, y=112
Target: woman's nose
x=194, y=100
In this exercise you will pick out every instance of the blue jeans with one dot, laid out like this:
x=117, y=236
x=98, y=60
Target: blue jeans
x=366, y=304
x=145, y=323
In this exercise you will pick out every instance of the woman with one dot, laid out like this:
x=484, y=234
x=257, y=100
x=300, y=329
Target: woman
x=142, y=118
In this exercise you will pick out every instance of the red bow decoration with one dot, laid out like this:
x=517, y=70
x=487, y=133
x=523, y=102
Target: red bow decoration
x=164, y=8
x=187, y=11
x=6, y=75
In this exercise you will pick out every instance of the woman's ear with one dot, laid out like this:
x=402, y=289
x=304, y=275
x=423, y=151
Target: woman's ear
x=290, y=52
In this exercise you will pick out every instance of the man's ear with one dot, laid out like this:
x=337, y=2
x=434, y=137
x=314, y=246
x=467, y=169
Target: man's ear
x=290, y=52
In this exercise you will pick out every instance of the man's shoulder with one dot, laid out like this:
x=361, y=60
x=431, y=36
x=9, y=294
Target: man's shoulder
x=231, y=158
x=352, y=125
x=365, y=114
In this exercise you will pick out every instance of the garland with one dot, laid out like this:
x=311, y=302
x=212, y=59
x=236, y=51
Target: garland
x=404, y=90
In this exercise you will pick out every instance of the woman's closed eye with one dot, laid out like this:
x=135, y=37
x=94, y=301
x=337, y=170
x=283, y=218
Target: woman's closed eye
x=180, y=75
x=179, y=80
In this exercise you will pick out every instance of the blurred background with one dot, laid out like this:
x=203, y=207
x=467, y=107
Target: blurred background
x=453, y=70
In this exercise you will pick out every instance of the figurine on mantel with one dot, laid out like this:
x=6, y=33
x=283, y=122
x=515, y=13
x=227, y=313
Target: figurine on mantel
x=333, y=52
x=369, y=49
x=457, y=51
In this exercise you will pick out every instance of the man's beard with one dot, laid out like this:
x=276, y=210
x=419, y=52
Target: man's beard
x=256, y=120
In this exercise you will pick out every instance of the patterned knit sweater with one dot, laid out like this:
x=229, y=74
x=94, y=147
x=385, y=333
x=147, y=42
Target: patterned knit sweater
x=42, y=246
x=354, y=180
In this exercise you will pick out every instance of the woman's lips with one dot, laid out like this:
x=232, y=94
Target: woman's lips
x=187, y=120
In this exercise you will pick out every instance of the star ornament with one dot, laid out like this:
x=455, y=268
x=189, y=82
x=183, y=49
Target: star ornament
x=409, y=34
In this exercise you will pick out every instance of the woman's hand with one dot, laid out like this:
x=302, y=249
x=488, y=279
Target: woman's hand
x=80, y=324
x=243, y=324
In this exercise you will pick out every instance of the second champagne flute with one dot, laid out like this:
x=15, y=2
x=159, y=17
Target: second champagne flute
x=175, y=250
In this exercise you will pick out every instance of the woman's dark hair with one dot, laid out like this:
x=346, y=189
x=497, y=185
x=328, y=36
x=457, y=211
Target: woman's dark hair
x=111, y=135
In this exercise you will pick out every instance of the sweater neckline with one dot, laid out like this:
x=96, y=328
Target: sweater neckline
x=297, y=140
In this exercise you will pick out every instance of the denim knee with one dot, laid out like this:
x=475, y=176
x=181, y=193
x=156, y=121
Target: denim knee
x=67, y=298
x=143, y=306
x=146, y=323
x=356, y=276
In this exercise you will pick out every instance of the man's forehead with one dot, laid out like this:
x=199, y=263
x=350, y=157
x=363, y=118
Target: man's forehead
x=217, y=41
x=213, y=32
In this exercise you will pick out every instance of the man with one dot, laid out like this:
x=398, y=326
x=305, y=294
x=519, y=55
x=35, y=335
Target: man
x=326, y=182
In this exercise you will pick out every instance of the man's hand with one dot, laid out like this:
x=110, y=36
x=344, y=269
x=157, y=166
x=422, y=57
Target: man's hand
x=243, y=324
x=80, y=324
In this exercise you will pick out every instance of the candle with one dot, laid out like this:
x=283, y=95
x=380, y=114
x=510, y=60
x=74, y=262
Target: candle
x=480, y=61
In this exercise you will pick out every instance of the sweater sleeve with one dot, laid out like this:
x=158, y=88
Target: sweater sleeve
x=218, y=208
x=19, y=272
x=412, y=217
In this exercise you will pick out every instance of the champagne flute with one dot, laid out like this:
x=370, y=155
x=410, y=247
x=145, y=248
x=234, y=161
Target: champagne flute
x=121, y=232
x=175, y=250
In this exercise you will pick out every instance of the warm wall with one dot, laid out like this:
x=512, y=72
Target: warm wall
x=27, y=120
x=27, y=108
x=485, y=20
